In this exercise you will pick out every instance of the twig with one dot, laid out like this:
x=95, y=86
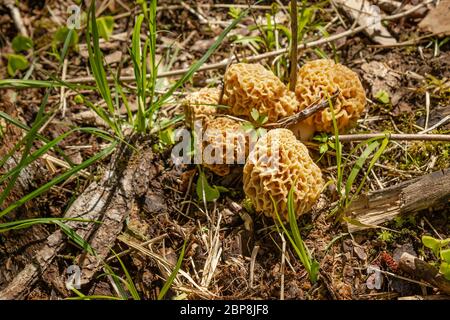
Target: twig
x=437, y=125
x=15, y=14
x=395, y=137
x=63, y=100
x=200, y=17
x=306, y=45
x=401, y=277
x=294, y=45
x=305, y=113
x=283, y=265
x=410, y=42
x=427, y=108
x=252, y=265
x=425, y=271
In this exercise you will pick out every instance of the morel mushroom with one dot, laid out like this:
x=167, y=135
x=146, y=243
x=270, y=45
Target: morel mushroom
x=225, y=143
x=201, y=105
x=315, y=80
x=251, y=86
x=278, y=162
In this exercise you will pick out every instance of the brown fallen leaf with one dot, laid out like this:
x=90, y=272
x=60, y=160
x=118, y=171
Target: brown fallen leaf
x=380, y=78
x=360, y=252
x=114, y=57
x=402, y=107
x=438, y=19
x=368, y=15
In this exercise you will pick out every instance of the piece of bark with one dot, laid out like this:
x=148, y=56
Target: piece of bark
x=135, y=180
x=429, y=191
x=368, y=15
x=424, y=271
x=99, y=202
x=432, y=297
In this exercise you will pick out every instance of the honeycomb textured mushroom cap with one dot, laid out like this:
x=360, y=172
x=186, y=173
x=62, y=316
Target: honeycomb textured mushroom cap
x=292, y=167
x=224, y=135
x=200, y=105
x=251, y=86
x=320, y=77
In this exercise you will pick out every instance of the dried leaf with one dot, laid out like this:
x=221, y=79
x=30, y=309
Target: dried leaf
x=368, y=15
x=437, y=20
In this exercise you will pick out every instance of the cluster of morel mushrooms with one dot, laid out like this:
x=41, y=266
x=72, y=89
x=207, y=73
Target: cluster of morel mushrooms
x=249, y=87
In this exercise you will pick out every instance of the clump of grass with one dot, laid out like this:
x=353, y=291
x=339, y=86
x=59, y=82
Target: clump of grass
x=149, y=105
x=294, y=236
x=373, y=149
x=124, y=287
x=174, y=273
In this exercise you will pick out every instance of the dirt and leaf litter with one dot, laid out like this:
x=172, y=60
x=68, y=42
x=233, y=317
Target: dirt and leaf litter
x=231, y=251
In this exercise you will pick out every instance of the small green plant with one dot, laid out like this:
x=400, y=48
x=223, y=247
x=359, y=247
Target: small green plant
x=260, y=119
x=401, y=221
x=383, y=97
x=310, y=264
x=16, y=62
x=257, y=126
x=441, y=249
x=234, y=12
x=105, y=26
x=325, y=144
x=21, y=43
x=373, y=146
x=385, y=236
x=205, y=191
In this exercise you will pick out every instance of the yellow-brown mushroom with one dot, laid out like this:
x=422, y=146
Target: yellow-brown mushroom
x=278, y=162
x=319, y=78
x=201, y=105
x=224, y=143
x=251, y=86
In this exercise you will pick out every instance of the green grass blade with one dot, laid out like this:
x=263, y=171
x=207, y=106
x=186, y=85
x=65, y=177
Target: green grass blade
x=202, y=60
x=358, y=166
x=337, y=146
x=130, y=284
x=117, y=281
x=21, y=224
x=29, y=139
x=304, y=256
x=291, y=240
x=75, y=237
x=174, y=273
x=138, y=56
x=96, y=63
x=37, y=84
x=67, y=43
x=371, y=164
x=357, y=147
x=44, y=149
x=26, y=223
x=94, y=297
x=19, y=144
x=152, y=45
x=59, y=179
x=25, y=84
